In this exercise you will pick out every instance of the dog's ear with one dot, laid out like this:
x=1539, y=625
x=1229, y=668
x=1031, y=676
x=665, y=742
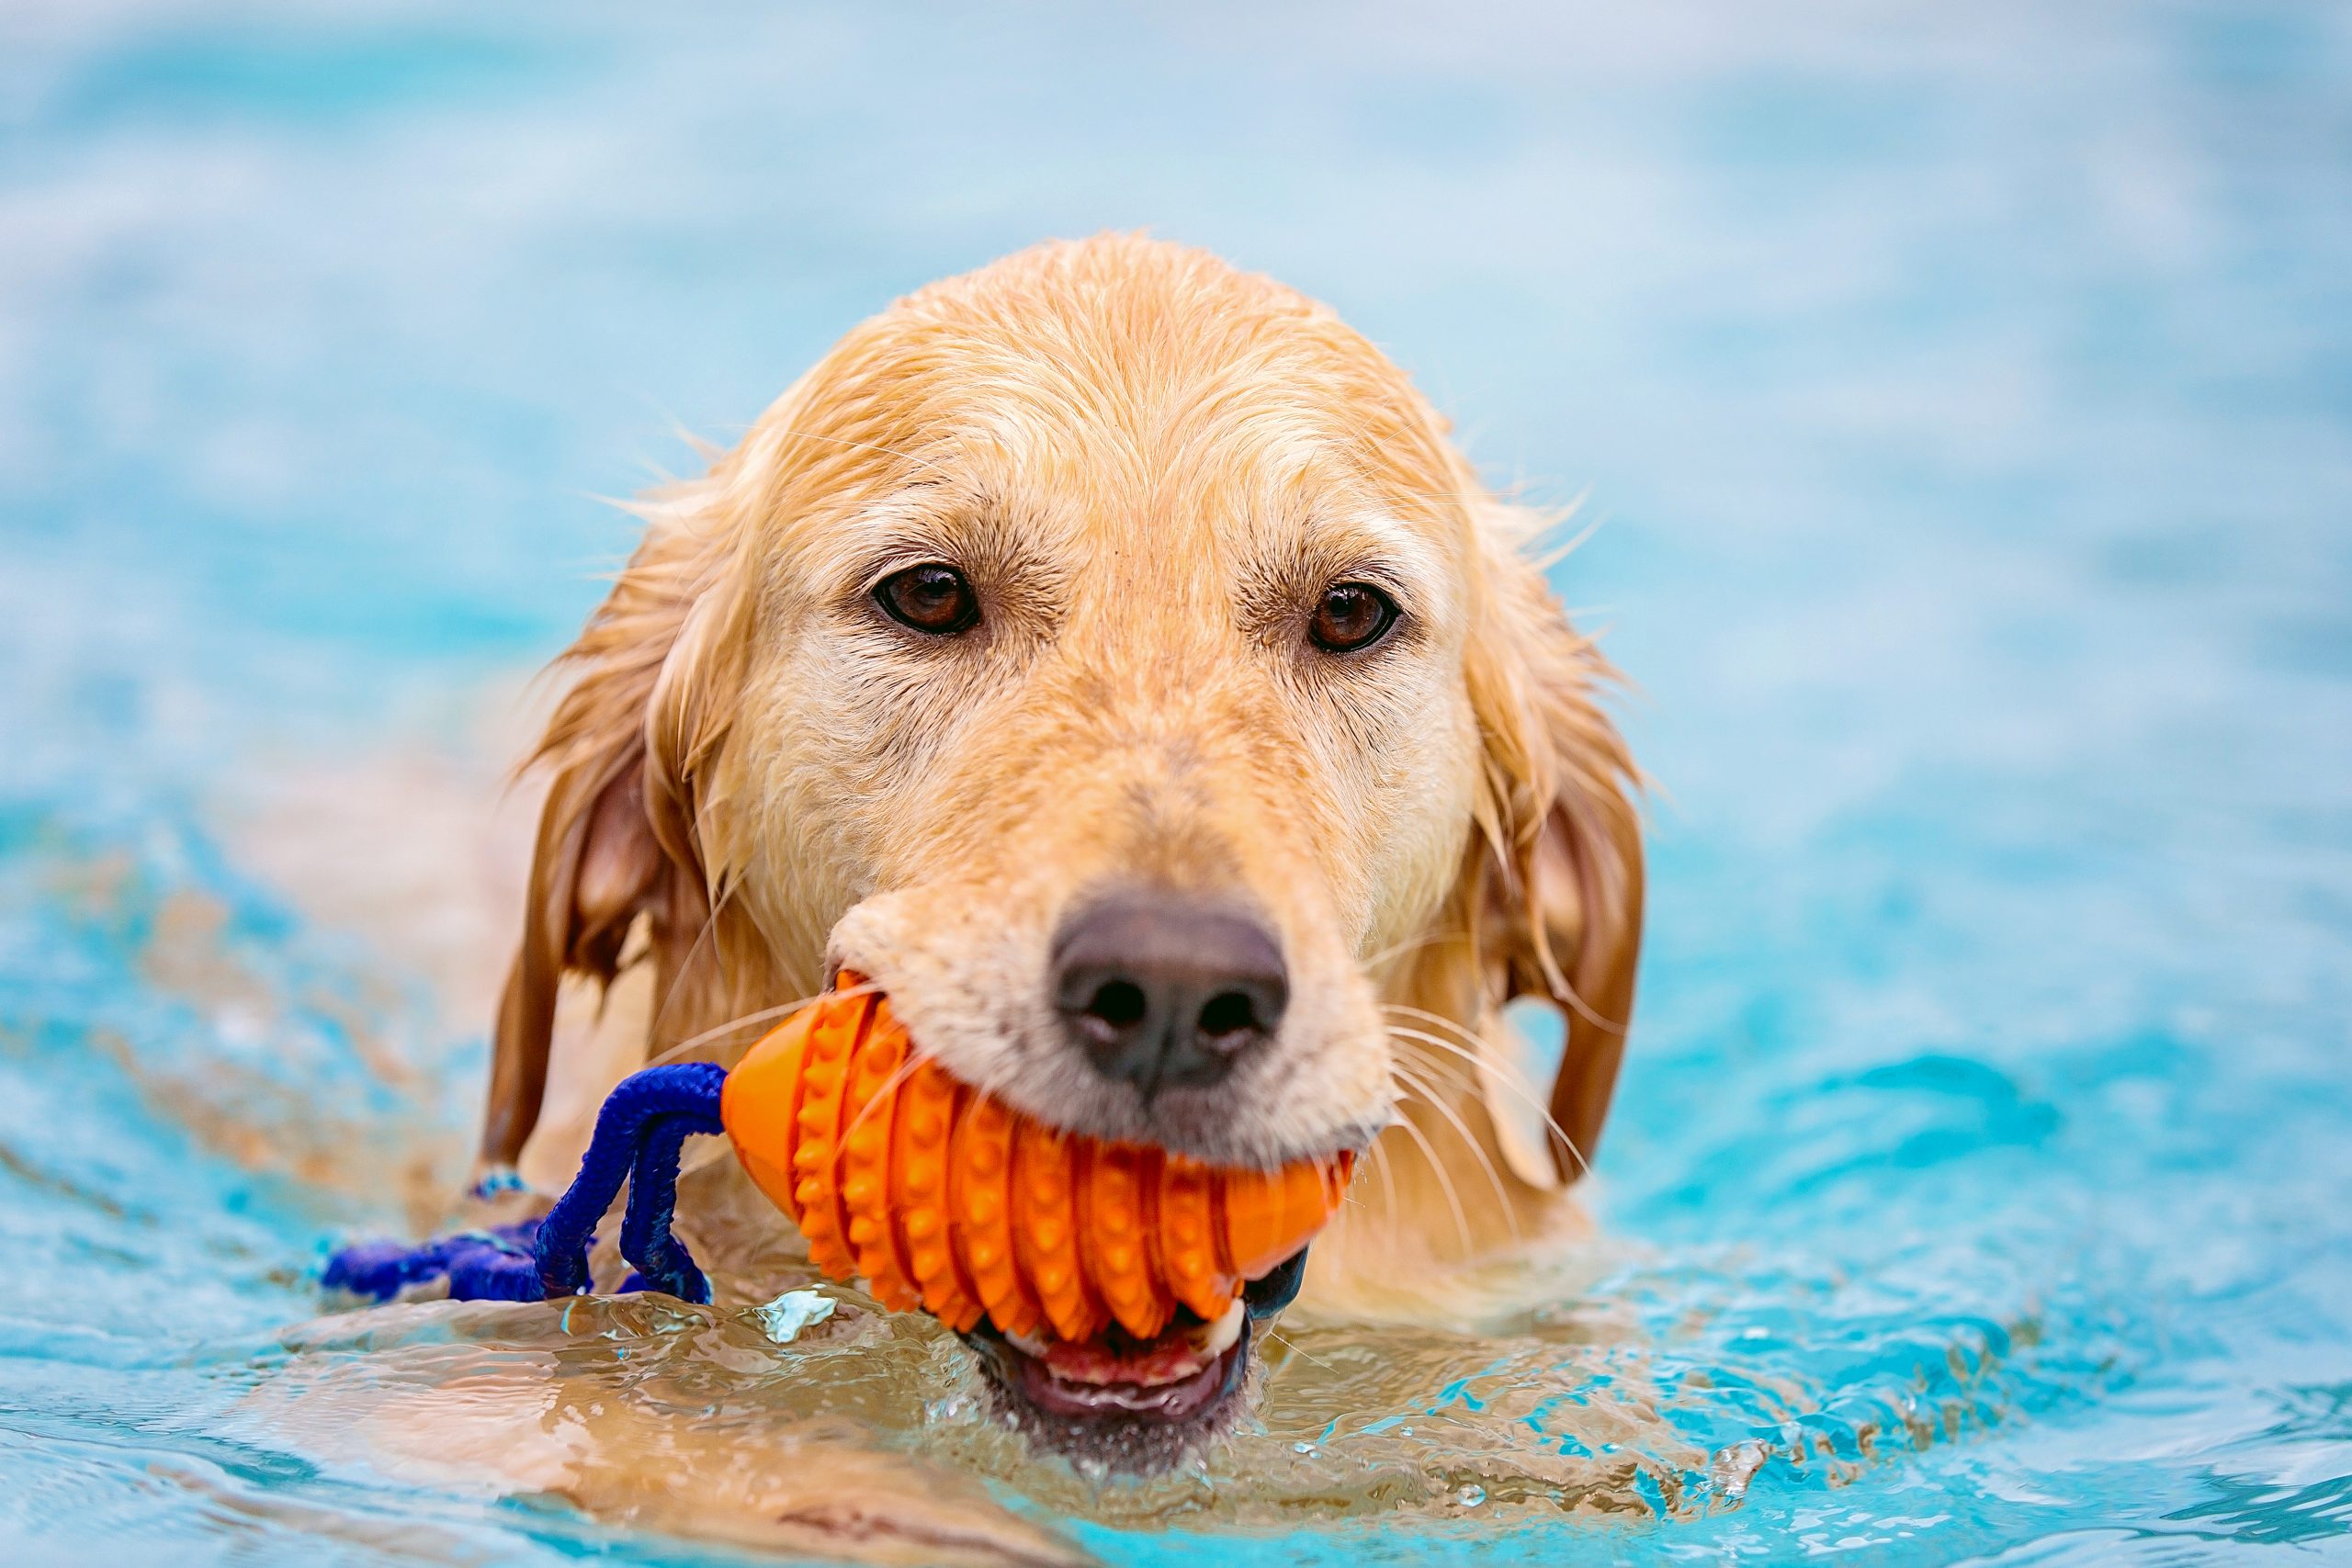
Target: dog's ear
x=617, y=835
x=1557, y=912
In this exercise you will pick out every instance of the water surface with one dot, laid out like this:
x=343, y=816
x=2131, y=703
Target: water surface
x=1965, y=394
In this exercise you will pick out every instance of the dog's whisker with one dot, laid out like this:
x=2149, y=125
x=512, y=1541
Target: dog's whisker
x=1394, y=1214
x=1471, y=1051
x=1448, y=1069
x=1378, y=1153
x=1508, y=1078
x=1292, y=1345
x=733, y=1025
x=749, y=1019
x=1464, y=1032
x=1479, y=1155
x=1445, y=1181
x=714, y=1152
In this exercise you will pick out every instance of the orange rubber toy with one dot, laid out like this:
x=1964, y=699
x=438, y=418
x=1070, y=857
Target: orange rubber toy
x=944, y=1198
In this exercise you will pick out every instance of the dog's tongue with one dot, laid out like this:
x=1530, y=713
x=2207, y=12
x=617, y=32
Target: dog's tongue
x=1168, y=1358
x=1168, y=1378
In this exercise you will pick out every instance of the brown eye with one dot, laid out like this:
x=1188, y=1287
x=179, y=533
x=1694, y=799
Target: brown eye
x=932, y=598
x=1351, y=616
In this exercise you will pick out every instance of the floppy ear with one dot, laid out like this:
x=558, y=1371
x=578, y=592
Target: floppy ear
x=618, y=836
x=1557, y=915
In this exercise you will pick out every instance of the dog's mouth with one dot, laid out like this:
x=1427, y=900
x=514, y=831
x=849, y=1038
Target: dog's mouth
x=1136, y=1402
x=1172, y=1378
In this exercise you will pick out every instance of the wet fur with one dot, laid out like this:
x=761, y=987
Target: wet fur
x=1149, y=464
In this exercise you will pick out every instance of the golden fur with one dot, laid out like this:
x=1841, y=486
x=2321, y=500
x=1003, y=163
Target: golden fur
x=1150, y=465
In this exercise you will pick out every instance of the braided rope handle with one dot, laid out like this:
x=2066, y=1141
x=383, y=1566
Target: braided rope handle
x=640, y=1132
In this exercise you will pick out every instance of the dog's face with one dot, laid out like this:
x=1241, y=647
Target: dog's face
x=1105, y=678
x=1108, y=656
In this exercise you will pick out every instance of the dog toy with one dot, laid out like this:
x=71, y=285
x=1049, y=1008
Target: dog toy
x=944, y=1198
x=937, y=1195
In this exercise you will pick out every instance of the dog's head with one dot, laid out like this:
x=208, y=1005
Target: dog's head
x=1108, y=654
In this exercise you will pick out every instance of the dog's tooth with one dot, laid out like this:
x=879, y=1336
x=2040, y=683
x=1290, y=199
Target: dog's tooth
x=1210, y=1339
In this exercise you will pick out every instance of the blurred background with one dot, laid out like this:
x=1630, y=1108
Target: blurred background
x=1964, y=397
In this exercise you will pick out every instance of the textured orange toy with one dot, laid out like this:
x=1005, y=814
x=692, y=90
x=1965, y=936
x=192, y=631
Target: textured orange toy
x=944, y=1198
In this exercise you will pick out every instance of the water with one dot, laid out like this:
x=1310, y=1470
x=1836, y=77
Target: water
x=1967, y=393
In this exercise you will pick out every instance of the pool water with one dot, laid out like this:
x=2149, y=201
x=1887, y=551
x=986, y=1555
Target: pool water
x=1964, y=394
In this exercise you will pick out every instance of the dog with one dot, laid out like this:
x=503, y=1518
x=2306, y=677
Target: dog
x=1108, y=654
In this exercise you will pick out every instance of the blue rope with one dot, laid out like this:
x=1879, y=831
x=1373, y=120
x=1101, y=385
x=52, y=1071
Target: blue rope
x=632, y=1127
x=644, y=1122
x=484, y=1274
x=647, y=1239
x=488, y=1265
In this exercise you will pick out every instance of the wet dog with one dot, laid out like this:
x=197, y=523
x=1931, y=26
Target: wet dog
x=1108, y=653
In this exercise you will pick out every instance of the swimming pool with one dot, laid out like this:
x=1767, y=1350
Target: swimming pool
x=1965, y=396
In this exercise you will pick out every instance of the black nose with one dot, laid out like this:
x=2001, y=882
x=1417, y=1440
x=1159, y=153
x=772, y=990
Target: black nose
x=1164, y=988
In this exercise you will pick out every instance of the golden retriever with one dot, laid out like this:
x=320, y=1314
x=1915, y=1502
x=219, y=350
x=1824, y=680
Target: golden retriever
x=1108, y=653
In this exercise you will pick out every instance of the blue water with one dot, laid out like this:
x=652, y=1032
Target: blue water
x=1965, y=393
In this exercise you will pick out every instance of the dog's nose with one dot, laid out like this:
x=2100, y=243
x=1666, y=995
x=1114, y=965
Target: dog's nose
x=1163, y=989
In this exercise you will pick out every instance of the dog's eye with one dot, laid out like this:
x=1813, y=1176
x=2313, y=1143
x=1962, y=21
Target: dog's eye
x=1351, y=616
x=931, y=598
